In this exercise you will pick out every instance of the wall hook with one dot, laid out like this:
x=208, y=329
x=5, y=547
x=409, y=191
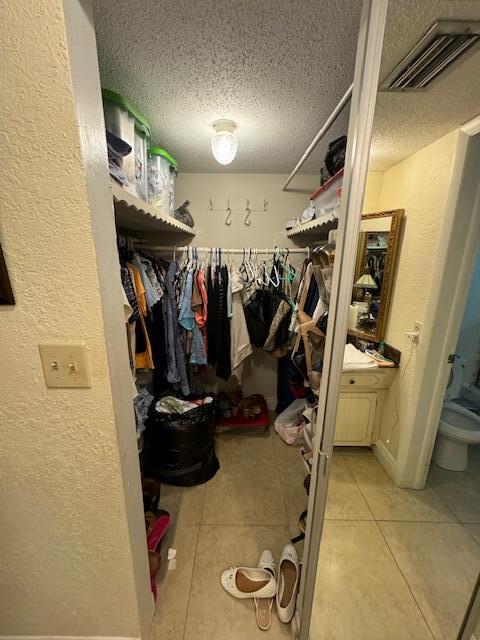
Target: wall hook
x=228, y=219
x=248, y=211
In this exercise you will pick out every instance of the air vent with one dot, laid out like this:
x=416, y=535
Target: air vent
x=440, y=47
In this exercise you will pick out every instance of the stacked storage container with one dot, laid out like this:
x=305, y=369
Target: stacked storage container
x=123, y=119
x=162, y=170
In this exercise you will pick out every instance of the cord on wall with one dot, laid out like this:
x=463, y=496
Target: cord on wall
x=395, y=399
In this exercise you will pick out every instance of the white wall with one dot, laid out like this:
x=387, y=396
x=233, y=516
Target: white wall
x=266, y=230
x=66, y=538
x=419, y=184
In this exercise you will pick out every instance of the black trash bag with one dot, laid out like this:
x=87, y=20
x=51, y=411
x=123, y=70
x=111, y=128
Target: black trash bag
x=180, y=448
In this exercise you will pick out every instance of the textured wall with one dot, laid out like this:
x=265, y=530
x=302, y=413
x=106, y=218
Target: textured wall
x=66, y=558
x=371, y=201
x=419, y=185
x=266, y=229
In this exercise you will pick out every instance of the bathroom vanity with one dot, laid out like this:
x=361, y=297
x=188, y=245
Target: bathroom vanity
x=360, y=405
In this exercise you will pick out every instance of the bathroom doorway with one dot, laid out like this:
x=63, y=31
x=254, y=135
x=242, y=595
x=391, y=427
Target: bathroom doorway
x=450, y=327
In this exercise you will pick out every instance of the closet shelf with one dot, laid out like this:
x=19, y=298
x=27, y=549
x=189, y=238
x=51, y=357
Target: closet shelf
x=317, y=227
x=133, y=214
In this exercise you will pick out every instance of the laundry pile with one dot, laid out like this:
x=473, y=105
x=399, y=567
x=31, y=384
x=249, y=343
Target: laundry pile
x=264, y=584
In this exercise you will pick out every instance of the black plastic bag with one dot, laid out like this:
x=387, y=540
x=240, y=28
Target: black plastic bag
x=335, y=156
x=180, y=448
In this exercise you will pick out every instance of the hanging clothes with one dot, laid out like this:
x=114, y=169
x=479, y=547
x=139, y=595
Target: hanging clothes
x=241, y=347
x=143, y=349
x=212, y=325
x=224, y=367
x=176, y=367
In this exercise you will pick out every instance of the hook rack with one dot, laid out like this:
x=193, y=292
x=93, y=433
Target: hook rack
x=249, y=211
x=228, y=210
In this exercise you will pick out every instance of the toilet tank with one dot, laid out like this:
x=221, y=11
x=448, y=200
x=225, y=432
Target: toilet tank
x=457, y=377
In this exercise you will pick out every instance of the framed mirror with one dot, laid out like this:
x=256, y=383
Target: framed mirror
x=377, y=251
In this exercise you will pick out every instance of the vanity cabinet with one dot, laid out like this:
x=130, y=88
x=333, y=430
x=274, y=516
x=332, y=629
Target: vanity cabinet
x=360, y=406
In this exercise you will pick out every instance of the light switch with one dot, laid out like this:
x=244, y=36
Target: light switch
x=65, y=365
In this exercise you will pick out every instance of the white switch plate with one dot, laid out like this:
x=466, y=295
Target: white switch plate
x=65, y=365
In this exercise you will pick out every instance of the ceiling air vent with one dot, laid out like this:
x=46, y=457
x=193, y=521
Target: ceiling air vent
x=439, y=48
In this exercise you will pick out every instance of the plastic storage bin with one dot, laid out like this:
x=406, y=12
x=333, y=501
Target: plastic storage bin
x=123, y=119
x=162, y=170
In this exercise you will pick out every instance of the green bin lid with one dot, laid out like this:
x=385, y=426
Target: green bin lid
x=158, y=151
x=116, y=98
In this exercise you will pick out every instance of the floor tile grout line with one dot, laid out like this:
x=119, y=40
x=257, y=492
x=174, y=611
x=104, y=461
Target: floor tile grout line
x=390, y=550
x=187, y=609
x=456, y=518
x=194, y=560
x=279, y=476
x=360, y=490
x=405, y=577
x=469, y=532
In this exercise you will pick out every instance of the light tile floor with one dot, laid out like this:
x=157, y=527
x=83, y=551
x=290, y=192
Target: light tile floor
x=394, y=563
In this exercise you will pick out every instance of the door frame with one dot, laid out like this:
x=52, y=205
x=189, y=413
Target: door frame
x=365, y=84
x=460, y=236
x=472, y=615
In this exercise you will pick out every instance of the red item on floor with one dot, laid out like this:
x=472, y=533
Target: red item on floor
x=260, y=421
x=159, y=530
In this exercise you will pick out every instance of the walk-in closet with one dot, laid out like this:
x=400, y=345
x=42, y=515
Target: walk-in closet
x=239, y=326
x=227, y=238
x=226, y=263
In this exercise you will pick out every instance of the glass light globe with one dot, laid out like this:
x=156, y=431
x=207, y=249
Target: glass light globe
x=224, y=142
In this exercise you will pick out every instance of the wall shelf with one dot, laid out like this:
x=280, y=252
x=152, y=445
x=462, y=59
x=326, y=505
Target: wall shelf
x=133, y=214
x=316, y=227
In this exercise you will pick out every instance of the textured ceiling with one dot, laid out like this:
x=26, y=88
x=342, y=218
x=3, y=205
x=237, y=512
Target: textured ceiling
x=277, y=68
x=406, y=122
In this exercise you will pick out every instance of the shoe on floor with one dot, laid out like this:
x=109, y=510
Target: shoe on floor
x=244, y=582
x=288, y=575
x=263, y=606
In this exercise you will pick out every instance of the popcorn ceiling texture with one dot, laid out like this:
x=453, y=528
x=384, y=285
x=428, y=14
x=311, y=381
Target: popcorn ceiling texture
x=65, y=547
x=276, y=68
x=405, y=123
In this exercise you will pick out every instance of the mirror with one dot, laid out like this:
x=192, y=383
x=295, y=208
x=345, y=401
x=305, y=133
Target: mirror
x=374, y=273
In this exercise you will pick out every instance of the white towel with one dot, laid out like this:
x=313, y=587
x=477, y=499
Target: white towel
x=354, y=359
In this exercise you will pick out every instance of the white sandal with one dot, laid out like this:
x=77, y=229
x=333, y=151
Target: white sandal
x=263, y=606
x=243, y=582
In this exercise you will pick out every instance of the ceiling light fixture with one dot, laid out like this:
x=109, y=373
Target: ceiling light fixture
x=224, y=141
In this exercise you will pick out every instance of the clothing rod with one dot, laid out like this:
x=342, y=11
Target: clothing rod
x=229, y=251
x=331, y=119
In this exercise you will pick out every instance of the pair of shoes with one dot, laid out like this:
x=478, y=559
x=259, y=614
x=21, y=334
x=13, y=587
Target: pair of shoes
x=261, y=585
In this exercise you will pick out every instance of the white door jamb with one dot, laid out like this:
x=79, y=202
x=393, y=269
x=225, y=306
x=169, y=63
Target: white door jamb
x=369, y=52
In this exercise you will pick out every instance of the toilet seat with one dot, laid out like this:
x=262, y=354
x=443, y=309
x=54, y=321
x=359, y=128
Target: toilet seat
x=459, y=423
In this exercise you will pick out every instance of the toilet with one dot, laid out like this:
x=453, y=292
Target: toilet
x=458, y=426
